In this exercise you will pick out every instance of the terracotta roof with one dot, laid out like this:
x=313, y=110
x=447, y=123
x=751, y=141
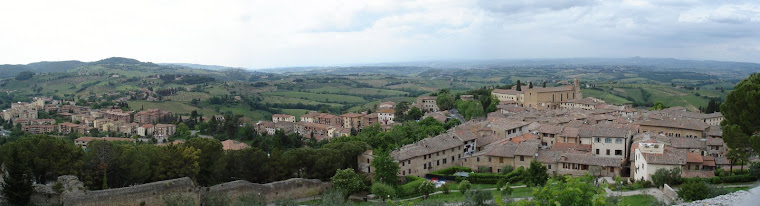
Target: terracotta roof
x=708, y=161
x=506, y=91
x=282, y=115
x=550, y=129
x=570, y=147
x=390, y=111
x=352, y=115
x=527, y=148
x=426, y=146
x=607, y=131
x=88, y=139
x=715, y=131
x=693, y=158
x=722, y=161
x=233, y=145
x=570, y=132
x=522, y=138
x=589, y=159
x=687, y=143
x=697, y=173
x=551, y=89
x=689, y=124
x=499, y=149
x=669, y=157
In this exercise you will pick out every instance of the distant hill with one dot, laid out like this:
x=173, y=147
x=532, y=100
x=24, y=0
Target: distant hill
x=200, y=66
x=10, y=70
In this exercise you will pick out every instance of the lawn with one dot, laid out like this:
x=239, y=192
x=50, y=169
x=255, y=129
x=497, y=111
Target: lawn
x=175, y=107
x=639, y=199
x=319, y=97
x=189, y=96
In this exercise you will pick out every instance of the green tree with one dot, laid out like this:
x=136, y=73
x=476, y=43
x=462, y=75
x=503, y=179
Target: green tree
x=348, y=181
x=175, y=161
x=444, y=100
x=24, y=75
x=506, y=190
x=477, y=197
x=426, y=187
x=183, y=131
x=17, y=181
x=386, y=169
x=740, y=112
x=210, y=151
x=47, y=157
x=507, y=169
x=383, y=191
x=415, y=113
x=576, y=191
x=530, y=85
x=401, y=109
x=664, y=176
x=519, y=85
x=657, y=106
x=536, y=175
x=464, y=185
x=694, y=190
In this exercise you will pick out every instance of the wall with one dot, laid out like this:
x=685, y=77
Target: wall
x=145, y=194
x=288, y=189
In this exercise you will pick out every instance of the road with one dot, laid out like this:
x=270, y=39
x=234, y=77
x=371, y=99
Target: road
x=455, y=114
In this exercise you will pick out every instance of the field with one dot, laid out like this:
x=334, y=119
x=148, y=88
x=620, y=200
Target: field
x=188, y=96
x=335, y=98
x=175, y=107
x=606, y=96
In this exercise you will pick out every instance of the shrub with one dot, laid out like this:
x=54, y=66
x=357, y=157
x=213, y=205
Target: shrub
x=694, y=190
x=451, y=170
x=484, y=169
x=663, y=176
x=737, y=178
x=410, y=188
x=445, y=188
x=383, y=191
x=426, y=188
x=719, y=172
x=754, y=170
x=464, y=186
x=499, y=184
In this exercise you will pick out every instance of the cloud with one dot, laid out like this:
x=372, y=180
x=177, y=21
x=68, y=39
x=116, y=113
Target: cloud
x=273, y=33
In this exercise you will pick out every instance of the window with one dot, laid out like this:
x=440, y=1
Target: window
x=452, y=158
x=608, y=152
x=489, y=159
x=477, y=159
x=598, y=139
x=409, y=162
x=522, y=158
x=618, y=141
x=608, y=140
x=597, y=151
x=549, y=166
x=410, y=171
x=501, y=160
x=403, y=172
x=437, y=162
x=618, y=152
x=444, y=161
x=424, y=166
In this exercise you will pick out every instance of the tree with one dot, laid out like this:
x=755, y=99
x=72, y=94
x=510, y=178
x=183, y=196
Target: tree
x=348, y=181
x=506, y=190
x=740, y=112
x=576, y=191
x=530, y=85
x=477, y=198
x=383, y=190
x=415, y=113
x=24, y=75
x=537, y=175
x=664, y=176
x=386, y=169
x=445, y=101
x=507, y=169
x=401, y=109
x=464, y=186
x=657, y=106
x=426, y=187
x=210, y=151
x=183, y=131
x=544, y=84
x=519, y=85
x=694, y=190
x=500, y=183
x=17, y=184
x=175, y=161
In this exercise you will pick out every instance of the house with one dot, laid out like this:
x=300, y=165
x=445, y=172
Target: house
x=233, y=145
x=550, y=97
x=352, y=120
x=387, y=105
x=39, y=129
x=283, y=117
x=165, y=130
x=385, y=116
x=585, y=103
x=673, y=127
x=116, y=115
x=82, y=141
x=610, y=141
x=548, y=133
x=145, y=130
x=428, y=155
x=493, y=156
x=365, y=162
x=508, y=96
x=151, y=116
x=427, y=104
x=649, y=157
x=267, y=126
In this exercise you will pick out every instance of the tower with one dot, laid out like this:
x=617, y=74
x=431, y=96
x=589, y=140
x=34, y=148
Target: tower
x=577, y=89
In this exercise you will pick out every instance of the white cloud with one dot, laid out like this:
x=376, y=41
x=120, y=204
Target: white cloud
x=270, y=33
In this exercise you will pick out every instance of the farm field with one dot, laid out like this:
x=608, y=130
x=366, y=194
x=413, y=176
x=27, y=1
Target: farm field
x=335, y=98
x=189, y=96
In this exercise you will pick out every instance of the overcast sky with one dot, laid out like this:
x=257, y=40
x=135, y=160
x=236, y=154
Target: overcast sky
x=278, y=33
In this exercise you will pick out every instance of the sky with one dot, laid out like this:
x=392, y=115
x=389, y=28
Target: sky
x=285, y=33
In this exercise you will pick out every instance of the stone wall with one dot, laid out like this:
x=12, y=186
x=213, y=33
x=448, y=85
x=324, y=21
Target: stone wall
x=670, y=193
x=287, y=189
x=146, y=194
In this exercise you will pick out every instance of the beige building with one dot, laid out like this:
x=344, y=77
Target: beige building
x=165, y=130
x=508, y=96
x=386, y=116
x=427, y=104
x=352, y=120
x=428, y=155
x=675, y=127
x=283, y=117
x=585, y=103
x=649, y=157
x=610, y=141
x=550, y=97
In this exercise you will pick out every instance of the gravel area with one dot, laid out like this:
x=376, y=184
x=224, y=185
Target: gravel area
x=741, y=197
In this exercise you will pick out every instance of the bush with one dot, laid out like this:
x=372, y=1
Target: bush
x=426, y=188
x=754, y=170
x=737, y=178
x=383, y=191
x=499, y=184
x=694, y=190
x=464, y=186
x=719, y=172
x=445, y=188
x=507, y=169
x=451, y=170
x=410, y=188
x=663, y=176
x=484, y=169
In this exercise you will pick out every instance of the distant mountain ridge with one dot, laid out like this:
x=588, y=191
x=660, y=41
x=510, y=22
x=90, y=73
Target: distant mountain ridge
x=202, y=66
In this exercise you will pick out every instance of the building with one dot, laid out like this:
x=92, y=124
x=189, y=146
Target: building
x=83, y=141
x=165, y=130
x=427, y=104
x=387, y=105
x=428, y=155
x=649, y=157
x=117, y=115
x=585, y=103
x=145, y=130
x=151, y=116
x=385, y=116
x=609, y=141
x=508, y=96
x=352, y=121
x=550, y=97
x=283, y=117
x=39, y=129
x=673, y=127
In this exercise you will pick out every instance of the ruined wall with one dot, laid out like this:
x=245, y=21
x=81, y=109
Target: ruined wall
x=287, y=189
x=146, y=194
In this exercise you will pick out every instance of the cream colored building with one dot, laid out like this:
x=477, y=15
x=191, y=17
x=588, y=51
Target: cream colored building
x=550, y=97
x=283, y=117
x=649, y=157
x=681, y=127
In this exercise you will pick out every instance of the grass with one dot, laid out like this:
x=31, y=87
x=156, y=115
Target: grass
x=189, y=96
x=295, y=112
x=609, y=98
x=319, y=97
x=175, y=107
x=639, y=199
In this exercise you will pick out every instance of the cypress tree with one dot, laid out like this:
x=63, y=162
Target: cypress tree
x=530, y=85
x=519, y=85
x=17, y=186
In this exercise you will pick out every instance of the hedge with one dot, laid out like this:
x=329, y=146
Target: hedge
x=724, y=179
x=451, y=170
